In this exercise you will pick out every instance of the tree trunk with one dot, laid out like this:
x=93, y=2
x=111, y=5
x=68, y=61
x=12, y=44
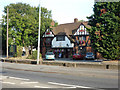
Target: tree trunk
x=31, y=49
x=26, y=54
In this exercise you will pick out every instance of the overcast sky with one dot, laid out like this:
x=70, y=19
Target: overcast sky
x=63, y=11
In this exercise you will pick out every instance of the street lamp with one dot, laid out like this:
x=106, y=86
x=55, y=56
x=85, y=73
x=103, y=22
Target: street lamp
x=7, y=33
x=38, y=52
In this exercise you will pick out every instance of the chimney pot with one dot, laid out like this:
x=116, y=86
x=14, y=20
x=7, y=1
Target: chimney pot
x=75, y=20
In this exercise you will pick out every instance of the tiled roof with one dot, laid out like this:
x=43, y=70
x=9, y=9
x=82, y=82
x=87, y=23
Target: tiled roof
x=68, y=28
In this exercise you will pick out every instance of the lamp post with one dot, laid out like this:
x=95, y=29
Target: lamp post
x=38, y=52
x=7, y=33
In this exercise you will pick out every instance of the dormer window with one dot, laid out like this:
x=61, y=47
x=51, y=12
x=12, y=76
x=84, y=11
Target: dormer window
x=60, y=38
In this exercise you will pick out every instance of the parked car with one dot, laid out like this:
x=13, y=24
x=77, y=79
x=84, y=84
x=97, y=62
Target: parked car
x=89, y=55
x=49, y=56
x=78, y=56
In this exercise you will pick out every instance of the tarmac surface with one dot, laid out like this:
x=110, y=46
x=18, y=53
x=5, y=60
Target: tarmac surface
x=44, y=76
x=64, y=70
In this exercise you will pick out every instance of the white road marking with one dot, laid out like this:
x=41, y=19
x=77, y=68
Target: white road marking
x=40, y=87
x=82, y=87
x=5, y=77
x=61, y=84
x=28, y=82
x=19, y=78
x=8, y=82
x=68, y=87
x=71, y=86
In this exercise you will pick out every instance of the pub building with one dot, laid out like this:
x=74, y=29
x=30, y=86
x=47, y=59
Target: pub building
x=67, y=39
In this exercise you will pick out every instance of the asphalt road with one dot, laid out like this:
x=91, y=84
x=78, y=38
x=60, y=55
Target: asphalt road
x=82, y=77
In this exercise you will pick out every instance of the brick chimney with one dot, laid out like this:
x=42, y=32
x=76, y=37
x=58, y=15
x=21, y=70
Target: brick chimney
x=52, y=24
x=75, y=20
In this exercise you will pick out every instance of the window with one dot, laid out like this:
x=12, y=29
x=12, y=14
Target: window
x=82, y=38
x=82, y=27
x=48, y=40
x=60, y=38
x=49, y=53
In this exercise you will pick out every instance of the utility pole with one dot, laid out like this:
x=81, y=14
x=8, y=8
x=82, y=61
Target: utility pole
x=38, y=52
x=7, y=33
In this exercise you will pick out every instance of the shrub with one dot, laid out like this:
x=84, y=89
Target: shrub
x=34, y=55
x=19, y=51
x=15, y=55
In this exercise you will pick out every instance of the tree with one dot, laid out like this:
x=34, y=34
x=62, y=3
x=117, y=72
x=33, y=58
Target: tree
x=19, y=22
x=24, y=24
x=3, y=31
x=105, y=29
x=0, y=39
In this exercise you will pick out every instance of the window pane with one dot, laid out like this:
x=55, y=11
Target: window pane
x=80, y=38
x=82, y=27
x=60, y=38
x=48, y=40
x=84, y=37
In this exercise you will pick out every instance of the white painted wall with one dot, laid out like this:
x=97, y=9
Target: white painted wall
x=62, y=43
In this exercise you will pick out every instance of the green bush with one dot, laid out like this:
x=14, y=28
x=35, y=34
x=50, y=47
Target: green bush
x=19, y=51
x=15, y=55
x=34, y=55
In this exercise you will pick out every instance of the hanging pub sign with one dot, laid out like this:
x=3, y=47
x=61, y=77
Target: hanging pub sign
x=12, y=49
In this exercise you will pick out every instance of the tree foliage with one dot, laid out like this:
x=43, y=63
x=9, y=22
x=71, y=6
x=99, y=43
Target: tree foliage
x=105, y=29
x=24, y=23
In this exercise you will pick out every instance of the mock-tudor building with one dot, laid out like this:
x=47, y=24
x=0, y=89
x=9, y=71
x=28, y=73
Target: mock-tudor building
x=67, y=39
